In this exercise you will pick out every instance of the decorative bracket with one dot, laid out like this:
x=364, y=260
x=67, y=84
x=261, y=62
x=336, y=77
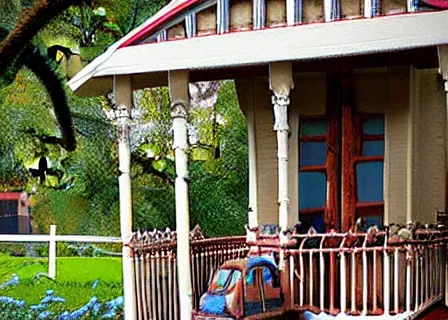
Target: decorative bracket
x=280, y=103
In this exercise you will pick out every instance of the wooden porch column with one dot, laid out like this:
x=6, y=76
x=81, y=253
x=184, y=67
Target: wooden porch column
x=281, y=83
x=443, y=69
x=178, y=84
x=123, y=98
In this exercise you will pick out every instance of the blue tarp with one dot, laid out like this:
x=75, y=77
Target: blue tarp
x=213, y=304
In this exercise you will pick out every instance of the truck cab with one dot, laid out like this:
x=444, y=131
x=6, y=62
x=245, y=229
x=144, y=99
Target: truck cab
x=244, y=289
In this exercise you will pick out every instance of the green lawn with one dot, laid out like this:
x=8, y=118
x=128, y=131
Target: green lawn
x=74, y=279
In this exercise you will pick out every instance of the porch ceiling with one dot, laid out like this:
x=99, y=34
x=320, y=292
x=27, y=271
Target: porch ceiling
x=149, y=63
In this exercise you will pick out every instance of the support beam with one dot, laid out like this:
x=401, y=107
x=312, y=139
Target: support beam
x=178, y=84
x=281, y=83
x=123, y=98
x=246, y=89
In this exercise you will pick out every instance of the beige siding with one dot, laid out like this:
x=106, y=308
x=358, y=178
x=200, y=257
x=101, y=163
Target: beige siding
x=387, y=91
x=430, y=144
x=266, y=143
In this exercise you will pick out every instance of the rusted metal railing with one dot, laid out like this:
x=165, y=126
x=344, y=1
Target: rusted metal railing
x=374, y=273
x=155, y=266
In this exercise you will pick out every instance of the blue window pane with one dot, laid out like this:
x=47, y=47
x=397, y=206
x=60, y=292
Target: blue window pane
x=373, y=148
x=373, y=221
x=369, y=179
x=313, y=127
x=313, y=190
x=373, y=126
x=313, y=153
x=313, y=220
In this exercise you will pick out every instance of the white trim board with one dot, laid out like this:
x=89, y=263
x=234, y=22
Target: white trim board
x=303, y=42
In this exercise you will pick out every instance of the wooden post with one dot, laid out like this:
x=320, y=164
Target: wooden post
x=178, y=83
x=123, y=98
x=281, y=83
x=252, y=142
x=52, y=253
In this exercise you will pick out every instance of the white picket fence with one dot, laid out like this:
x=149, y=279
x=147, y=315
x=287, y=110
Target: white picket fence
x=52, y=239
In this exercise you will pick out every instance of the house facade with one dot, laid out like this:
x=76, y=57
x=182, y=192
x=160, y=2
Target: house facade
x=344, y=100
x=370, y=143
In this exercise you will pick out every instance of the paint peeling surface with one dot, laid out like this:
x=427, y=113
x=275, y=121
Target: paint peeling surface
x=324, y=316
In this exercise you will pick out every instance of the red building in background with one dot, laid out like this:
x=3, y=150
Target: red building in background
x=14, y=213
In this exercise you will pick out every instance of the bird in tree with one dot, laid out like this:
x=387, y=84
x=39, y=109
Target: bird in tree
x=17, y=51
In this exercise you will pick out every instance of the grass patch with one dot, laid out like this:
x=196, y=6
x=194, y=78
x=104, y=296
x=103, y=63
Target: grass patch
x=74, y=279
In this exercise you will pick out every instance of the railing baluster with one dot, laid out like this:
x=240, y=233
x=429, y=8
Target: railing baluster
x=343, y=284
x=311, y=277
x=375, y=270
x=417, y=279
x=396, y=280
x=364, y=280
x=137, y=284
x=292, y=269
x=301, y=280
x=408, y=280
x=332, y=280
x=386, y=282
x=322, y=275
x=153, y=286
x=353, y=282
x=165, y=284
x=158, y=286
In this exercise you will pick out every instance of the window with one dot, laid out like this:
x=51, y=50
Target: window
x=252, y=298
x=369, y=171
x=341, y=165
x=313, y=172
x=8, y=208
x=225, y=280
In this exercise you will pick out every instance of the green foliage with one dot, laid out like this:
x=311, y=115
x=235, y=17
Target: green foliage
x=219, y=192
x=84, y=198
x=74, y=279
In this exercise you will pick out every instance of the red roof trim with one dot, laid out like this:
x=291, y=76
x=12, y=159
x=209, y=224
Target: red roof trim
x=10, y=195
x=441, y=4
x=150, y=27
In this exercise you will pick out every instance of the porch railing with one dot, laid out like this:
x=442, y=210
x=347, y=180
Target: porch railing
x=155, y=263
x=374, y=273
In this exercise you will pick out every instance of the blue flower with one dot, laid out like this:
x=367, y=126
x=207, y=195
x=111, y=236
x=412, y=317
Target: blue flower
x=95, y=284
x=110, y=315
x=12, y=282
x=64, y=316
x=49, y=292
x=44, y=315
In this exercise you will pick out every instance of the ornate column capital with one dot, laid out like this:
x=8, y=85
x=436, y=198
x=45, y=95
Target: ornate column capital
x=280, y=103
x=179, y=109
x=119, y=116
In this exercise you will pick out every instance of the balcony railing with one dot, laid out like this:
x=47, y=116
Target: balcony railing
x=400, y=271
x=155, y=264
x=395, y=272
